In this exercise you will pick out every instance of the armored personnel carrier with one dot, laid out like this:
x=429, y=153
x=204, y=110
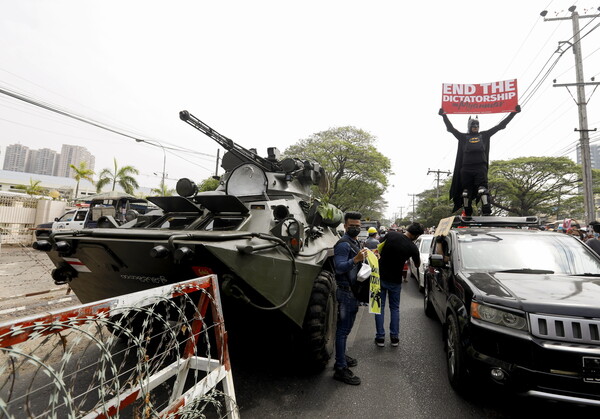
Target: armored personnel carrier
x=260, y=231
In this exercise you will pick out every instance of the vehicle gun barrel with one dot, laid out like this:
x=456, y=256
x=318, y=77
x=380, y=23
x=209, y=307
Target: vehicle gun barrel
x=228, y=144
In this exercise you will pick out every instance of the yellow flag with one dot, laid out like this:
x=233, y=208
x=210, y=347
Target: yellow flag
x=375, y=286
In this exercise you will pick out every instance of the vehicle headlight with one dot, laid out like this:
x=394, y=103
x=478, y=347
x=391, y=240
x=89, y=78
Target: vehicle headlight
x=498, y=316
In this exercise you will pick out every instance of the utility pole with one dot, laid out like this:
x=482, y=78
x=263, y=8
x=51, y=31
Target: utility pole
x=584, y=139
x=216, y=176
x=412, y=218
x=158, y=144
x=438, y=172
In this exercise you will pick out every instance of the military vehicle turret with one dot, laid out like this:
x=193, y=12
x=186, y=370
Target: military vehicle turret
x=262, y=233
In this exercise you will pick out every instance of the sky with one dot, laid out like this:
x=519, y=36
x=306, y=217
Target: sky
x=270, y=73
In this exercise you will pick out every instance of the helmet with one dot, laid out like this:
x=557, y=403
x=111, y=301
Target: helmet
x=372, y=230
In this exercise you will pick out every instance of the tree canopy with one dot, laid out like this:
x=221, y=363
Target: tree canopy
x=544, y=186
x=208, y=184
x=532, y=185
x=357, y=173
x=119, y=175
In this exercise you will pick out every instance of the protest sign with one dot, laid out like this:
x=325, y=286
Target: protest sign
x=495, y=97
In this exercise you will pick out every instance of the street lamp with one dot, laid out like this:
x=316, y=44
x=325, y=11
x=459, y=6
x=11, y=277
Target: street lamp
x=156, y=143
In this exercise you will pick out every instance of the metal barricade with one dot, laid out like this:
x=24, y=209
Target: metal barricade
x=148, y=354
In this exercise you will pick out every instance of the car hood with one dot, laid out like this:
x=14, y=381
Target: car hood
x=45, y=225
x=559, y=294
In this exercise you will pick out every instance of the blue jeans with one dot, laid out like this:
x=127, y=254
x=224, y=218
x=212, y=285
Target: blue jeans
x=347, y=309
x=393, y=290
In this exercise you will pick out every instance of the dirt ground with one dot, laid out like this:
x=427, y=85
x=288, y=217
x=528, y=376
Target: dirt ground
x=27, y=287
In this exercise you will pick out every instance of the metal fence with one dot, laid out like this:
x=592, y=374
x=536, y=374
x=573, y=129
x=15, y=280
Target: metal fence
x=157, y=353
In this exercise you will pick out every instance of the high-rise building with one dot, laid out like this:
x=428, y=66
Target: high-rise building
x=594, y=155
x=42, y=162
x=15, y=158
x=73, y=155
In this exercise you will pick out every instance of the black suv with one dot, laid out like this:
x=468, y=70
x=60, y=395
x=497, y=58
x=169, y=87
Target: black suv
x=519, y=307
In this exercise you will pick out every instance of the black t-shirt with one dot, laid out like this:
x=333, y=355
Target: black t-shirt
x=396, y=251
x=594, y=244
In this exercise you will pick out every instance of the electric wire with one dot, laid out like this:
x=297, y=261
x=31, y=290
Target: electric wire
x=86, y=120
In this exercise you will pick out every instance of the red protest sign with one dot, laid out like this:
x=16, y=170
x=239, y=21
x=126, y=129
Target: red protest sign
x=495, y=97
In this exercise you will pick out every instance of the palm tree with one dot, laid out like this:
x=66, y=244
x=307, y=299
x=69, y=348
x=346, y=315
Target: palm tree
x=163, y=190
x=81, y=172
x=121, y=176
x=33, y=188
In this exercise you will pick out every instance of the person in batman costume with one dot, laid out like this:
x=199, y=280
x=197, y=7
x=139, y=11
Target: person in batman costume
x=470, y=179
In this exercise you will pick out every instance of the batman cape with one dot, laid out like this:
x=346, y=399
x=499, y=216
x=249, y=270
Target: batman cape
x=456, y=187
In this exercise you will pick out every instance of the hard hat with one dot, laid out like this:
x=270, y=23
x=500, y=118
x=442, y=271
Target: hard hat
x=372, y=230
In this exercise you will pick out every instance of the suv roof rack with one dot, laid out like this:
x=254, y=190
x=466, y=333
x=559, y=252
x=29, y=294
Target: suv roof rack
x=487, y=221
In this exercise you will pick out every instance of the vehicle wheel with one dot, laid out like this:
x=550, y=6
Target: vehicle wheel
x=421, y=287
x=412, y=274
x=455, y=359
x=427, y=306
x=319, y=323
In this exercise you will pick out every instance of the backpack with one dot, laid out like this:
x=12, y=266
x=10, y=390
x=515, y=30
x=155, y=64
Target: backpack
x=360, y=289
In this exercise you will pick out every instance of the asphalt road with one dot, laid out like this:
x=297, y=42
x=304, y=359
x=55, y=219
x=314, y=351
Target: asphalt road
x=404, y=382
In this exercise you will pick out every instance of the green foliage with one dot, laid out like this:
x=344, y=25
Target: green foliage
x=532, y=185
x=121, y=176
x=33, y=188
x=81, y=172
x=163, y=190
x=357, y=173
x=433, y=205
x=208, y=184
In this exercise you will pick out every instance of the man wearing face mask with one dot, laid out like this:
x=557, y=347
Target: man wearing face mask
x=347, y=258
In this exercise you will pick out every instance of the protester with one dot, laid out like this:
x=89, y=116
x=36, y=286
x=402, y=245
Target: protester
x=382, y=234
x=347, y=258
x=594, y=243
x=575, y=230
x=394, y=252
x=371, y=242
x=470, y=179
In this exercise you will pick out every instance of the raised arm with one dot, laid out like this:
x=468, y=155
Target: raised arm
x=504, y=122
x=449, y=127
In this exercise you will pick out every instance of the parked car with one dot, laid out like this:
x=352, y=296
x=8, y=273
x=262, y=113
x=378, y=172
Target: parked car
x=70, y=220
x=519, y=308
x=423, y=243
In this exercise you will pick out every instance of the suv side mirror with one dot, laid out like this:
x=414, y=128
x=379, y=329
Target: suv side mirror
x=436, y=261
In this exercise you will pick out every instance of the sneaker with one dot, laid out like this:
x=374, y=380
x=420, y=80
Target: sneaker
x=395, y=341
x=380, y=342
x=347, y=376
x=351, y=362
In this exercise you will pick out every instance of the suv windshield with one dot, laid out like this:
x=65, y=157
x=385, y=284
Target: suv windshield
x=501, y=251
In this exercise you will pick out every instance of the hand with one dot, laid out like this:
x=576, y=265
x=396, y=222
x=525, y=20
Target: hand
x=361, y=256
x=518, y=108
x=441, y=112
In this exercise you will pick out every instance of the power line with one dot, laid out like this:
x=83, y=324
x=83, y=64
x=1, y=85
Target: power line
x=86, y=120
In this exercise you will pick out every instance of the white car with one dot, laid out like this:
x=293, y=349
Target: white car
x=71, y=220
x=423, y=243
